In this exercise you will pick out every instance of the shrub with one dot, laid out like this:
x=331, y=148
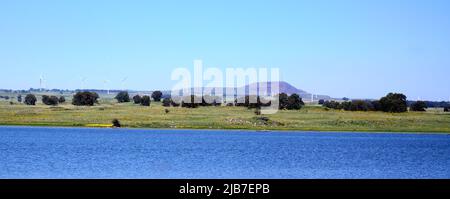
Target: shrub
x=85, y=98
x=19, y=98
x=394, y=102
x=122, y=97
x=283, y=101
x=321, y=101
x=294, y=102
x=145, y=100
x=446, y=109
x=359, y=105
x=418, y=106
x=376, y=106
x=62, y=99
x=166, y=102
x=137, y=99
x=50, y=100
x=332, y=105
x=157, y=96
x=191, y=101
x=166, y=111
x=116, y=123
x=30, y=99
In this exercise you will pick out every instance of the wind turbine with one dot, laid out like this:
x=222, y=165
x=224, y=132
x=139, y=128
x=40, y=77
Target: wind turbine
x=83, y=81
x=41, y=82
x=105, y=82
x=123, y=82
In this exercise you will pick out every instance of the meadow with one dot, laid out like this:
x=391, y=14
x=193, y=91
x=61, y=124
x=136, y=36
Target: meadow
x=309, y=118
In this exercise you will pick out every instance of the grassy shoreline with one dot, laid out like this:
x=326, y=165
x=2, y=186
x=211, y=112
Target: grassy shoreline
x=310, y=118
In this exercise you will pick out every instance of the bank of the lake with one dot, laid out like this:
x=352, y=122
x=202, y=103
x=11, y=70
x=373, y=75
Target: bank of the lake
x=309, y=118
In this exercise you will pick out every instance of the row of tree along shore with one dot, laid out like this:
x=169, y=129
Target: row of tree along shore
x=393, y=102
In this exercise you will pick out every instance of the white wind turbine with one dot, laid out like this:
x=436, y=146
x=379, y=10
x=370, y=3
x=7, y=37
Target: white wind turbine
x=41, y=82
x=83, y=82
x=105, y=82
x=123, y=82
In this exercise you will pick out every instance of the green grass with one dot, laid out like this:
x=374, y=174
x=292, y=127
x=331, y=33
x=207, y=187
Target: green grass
x=310, y=118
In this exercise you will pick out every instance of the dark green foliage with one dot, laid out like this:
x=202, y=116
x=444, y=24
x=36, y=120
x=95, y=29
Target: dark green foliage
x=19, y=98
x=50, y=100
x=122, y=97
x=157, y=96
x=191, y=101
x=321, y=102
x=294, y=102
x=116, y=123
x=359, y=105
x=394, y=103
x=332, y=105
x=30, y=99
x=166, y=102
x=418, y=106
x=376, y=106
x=283, y=101
x=137, y=99
x=62, y=99
x=252, y=101
x=85, y=98
x=446, y=109
x=145, y=100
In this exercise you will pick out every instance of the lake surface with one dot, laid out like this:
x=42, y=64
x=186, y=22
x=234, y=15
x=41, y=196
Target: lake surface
x=36, y=152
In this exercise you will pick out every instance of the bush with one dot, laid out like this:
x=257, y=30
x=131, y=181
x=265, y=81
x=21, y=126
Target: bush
x=19, y=98
x=191, y=101
x=376, y=106
x=418, y=106
x=332, y=105
x=85, y=99
x=394, y=103
x=446, y=109
x=359, y=105
x=50, y=100
x=321, y=101
x=122, y=97
x=137, y=99
x=30, y=99
x=166, y=102
x=166, y=111
x=62, y=99
x=116, y=123
x=283, y=101
x=145, y=101
x=294, y=102
x=157, y=96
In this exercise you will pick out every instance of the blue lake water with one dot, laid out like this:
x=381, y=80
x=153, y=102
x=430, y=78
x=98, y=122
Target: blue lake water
x=36, y=152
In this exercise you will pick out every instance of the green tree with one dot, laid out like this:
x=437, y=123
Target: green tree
x=50, y=100
x=30, y=99
x=295, y=102
x=137, y=99
x=85, y=98
x=62, y=99
x=394, y=103
x=418, y=106
x=157, y=96
x=145, y=100
x=283, y=101
x=122, y=97
x=166, y=102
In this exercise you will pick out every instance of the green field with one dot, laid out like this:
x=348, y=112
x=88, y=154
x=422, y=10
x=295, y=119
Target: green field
x=309, y=118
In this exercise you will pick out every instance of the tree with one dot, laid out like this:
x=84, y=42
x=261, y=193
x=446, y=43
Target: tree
x=122, y=97
x=321, y=101
x=85, y=98
x=137, y=99
x=295, y=102
x=166, y=102
x=19, y=98
x=376, y=106
x=116, y=123
x=418, y=106
x=359, y=105
x=190, y=101
x=157, y=96
x=446, y=109
x=283, y=101
x=50, y=100
x=145, y=100
x=62, y=99
x=30, y=99
x=332, y=105
x=394, y=103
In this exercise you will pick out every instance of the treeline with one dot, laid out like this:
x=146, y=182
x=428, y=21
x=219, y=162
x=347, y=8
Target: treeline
x=393, y=103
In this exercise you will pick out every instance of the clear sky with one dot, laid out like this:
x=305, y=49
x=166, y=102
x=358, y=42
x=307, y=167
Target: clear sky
x=360, y=49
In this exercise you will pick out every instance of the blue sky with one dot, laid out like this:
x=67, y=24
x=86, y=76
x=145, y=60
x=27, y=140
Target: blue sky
x=341, y=48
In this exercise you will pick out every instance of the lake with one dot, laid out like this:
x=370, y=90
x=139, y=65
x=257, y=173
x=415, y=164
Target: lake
x=38, y=152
